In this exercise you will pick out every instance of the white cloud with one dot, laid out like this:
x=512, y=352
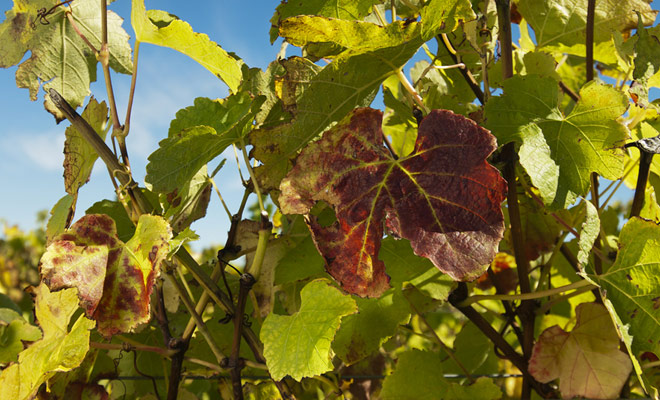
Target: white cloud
x=44, y=150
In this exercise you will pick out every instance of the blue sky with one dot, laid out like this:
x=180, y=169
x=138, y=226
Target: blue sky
x=31, y=144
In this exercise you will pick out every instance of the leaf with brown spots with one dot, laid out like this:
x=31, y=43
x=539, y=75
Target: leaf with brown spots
x=114, y=279
x=444, y=197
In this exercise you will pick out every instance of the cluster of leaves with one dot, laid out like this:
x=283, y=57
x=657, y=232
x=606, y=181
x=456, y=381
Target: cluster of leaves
x=385, y=226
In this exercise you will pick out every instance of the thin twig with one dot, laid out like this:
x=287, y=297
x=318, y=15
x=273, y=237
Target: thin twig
x=131, y=94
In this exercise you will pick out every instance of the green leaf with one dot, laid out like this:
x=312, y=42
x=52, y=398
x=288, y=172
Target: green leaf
x=14, y=329
x=189, y=202
x=340, y=9
x=588, y=234
x=406, y=268
x=561, y=24
x=419, y=375
x=198, y=135
x=79, y=155
x=632, y=283
x=60, y=217
x=473, y=350
x=444, y=16
x=59, y=350
x=444, y=197
x=58, y=54
x=183, y=237
x=301, y=262
x=363, y=333
x=647, y=60
x=299, y=345
x=560, y=152
x=114, y=280
x=349, y=81
x=356, y=36
x=163, y=29
x=587, y=360
x=115, y=210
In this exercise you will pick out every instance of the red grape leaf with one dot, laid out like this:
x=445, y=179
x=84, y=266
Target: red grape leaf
x=444, y=197
x=114, y=279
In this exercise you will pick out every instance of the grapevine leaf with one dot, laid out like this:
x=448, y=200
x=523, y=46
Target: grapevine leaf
x=632, y=283
x=14, y=329
x=342, y=9
x=560, y=24
x=58, y=54
x=349, y=81
x=114, y=280
x=444, y=16
x=79, y=155
x=299, y=345
x=59, y=350
x=473, y=351
x=405, y=268
x=588, y=234
x=560, y=152
x=647, y=60
x=188, y=203
x=60, y=217
x=363, y=333
x=163, y=29
x=356, y=36
x=444, y=197
x=586, y=360
x=183, y=237
x=198, y=135
x=419, y=375
x=116, y=211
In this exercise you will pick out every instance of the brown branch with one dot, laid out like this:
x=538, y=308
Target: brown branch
x=467, y=75
x=526, y=311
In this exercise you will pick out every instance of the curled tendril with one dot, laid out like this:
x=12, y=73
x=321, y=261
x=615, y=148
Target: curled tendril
x=42, y=14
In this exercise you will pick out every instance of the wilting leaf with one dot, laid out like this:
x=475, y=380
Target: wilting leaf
x=79, y=155
x=444, y=197
x=560, y=152
x=163, y=29
x=299, y=345
x=632, y=283
x=349, y=81
x=586, y=360
x=647, y=60
x=114, y=280
x=58, y=54
x=59, y=350
x=419, y=375
x=342, y=9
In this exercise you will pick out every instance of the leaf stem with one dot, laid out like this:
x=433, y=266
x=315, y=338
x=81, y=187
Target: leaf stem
x=591, y=11
x=69, y=17
x=131, y=94
x=201, y=326
x=410, y=89
x=257, y=190
x=527, y=296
